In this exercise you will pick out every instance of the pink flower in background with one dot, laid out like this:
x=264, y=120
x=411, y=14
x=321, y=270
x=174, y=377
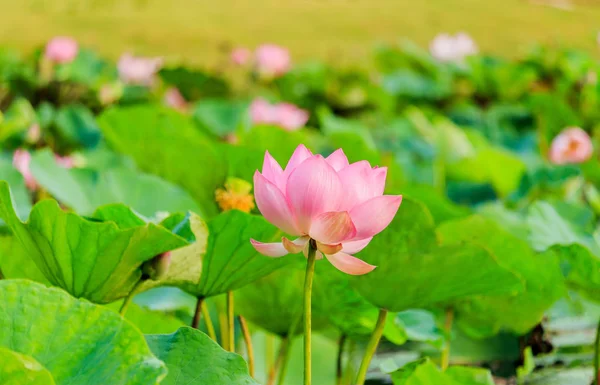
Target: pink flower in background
x=262, y=112
x=240, y=56
x=21, y=162
x=138, y=70
x=285, y=115
x=174, y=99
x=61, y=50
x=572, y=145
x=64, y=161
x=290, y=117
x=336, y=205
x=450, y=48
x=272, y=60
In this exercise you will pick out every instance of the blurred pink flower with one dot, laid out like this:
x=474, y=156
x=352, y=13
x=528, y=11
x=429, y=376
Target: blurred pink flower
x=290, y=117
x=262, y=112
x=285, y=115
x=61, y=50
x=21, y=162
x=272, y=60
x=240, y=56
x=572, y=145
x=339, y=206
x=450, y=48
x=64, y=161
x=174, y=99
x=138, y=70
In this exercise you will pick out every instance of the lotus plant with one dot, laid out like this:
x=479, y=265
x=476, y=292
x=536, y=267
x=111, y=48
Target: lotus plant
x=573, y=145
x=272, y=60
x=61, y=50
x=240, y=56
x=138, y=70
x=285, y=115
x=448, y=48
x=334, y=208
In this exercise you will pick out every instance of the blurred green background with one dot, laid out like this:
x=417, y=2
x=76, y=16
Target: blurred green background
x=340, y=31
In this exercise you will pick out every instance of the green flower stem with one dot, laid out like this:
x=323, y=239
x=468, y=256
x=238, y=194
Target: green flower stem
x=248, y=342
x=371, y=347
x=339, y=364
x=230, y=321
x=223, y=328
x=197, y=313
x=308, y=281
x=129, y=297
x=597, y=356
x=209, y=324
x=281, y=354
x=445, y=360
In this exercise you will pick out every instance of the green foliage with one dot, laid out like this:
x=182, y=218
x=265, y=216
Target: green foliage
x=19, y=369
x=103, y=262
x=113, y=351
x=194, y=359
x=84, y=190
x=437, y=270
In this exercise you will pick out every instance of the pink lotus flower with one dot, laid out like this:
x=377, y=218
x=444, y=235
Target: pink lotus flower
x=174, y=99
x=337, y=206
x=272, y=60
x=61, y=50
x=285, y=115
x=21, y=162
x=240, y=56
x=138, y=70
x=290, y=117
x=572, y=145
x=450, y=48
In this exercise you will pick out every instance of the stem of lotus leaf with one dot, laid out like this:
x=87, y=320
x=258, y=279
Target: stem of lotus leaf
x=339, y=364
x=371, y=347
x=281, y=354
x=223, y=328
x=210, y=328
x=230, y=321
x=308, y=281
x=445, y=360
x=248, y=342
x=597, y=356
x=197, y=313
x=129, y=297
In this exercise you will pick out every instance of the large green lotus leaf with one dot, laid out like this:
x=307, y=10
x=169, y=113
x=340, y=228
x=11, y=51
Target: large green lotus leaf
x=420, y=325
x=166, y=143
x=412, y=262
x=483, y=167
x=335, y=300
x=219, y=116
x=222, y=258
x=424, y=372
x=540, y=273
x=76, y=341
x=84, y=190
x=194, y=359
x=76, y=126
x=16, y=263
x=547, y=228
x=19, y=369
x=97, y=260
x=441, y=208
x=17, y=187
x=581, y=269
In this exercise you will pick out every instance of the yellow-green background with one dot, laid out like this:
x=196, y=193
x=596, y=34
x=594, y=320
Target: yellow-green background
x=341, y=31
